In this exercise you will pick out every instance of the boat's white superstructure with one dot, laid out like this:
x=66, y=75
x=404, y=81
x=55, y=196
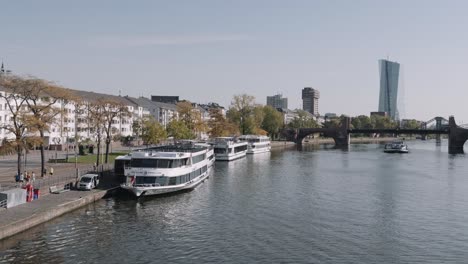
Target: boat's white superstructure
x=167, y=169
x=229, y=148
x=396, y=147
x=256, y=143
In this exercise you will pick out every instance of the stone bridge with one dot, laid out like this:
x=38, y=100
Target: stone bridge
x=341, y=135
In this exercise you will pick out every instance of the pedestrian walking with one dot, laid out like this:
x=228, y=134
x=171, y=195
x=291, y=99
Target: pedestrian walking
x=17, y=177
x=21, y=177
x=27, y=176
x=44, y=172
x=33, y=175
x=51, y=171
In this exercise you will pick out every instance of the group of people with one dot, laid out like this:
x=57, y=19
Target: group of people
x=25, y=177
x=31, y=176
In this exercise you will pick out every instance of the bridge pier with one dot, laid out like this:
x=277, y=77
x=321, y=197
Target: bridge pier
x=342, y=137
x=438, y=127
x=457, y=137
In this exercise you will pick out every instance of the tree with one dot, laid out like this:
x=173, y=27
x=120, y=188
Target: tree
x=303, y=120
x=96, y=124
x=152, y=132
x=21, y=122
x=361, y=122
x=382, y=122
x=240, y=113
x=272, y=121
x=219, y=126
x=411, y=124
x=178, y=130
x=42, y=99
x=110, y=110
x=191, y=117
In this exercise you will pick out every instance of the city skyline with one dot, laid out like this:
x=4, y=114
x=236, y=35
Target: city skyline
x=210, y=51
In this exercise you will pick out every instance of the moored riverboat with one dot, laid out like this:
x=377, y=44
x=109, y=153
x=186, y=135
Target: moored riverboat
x=167, y=169
x=256, y=143
x=229, y=148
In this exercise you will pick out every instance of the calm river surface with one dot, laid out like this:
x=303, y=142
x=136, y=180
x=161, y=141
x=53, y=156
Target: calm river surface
x=317, y=205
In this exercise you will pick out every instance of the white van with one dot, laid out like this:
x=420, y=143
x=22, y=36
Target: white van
x=88, y=182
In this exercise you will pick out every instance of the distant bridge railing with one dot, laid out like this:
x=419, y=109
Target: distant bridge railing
x=399, y=131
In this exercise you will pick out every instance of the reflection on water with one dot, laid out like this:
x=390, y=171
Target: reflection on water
x=316, y=205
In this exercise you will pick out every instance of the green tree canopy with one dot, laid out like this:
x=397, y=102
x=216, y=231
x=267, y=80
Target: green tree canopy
x=272, y=121
x=303, y=120
x=240, y=113
x=178, y=130
x=152, y=132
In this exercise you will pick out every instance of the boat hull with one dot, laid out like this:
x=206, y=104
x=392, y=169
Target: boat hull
x=151, y=191
x=230, y=157
x=258, y=150
x=395, y=151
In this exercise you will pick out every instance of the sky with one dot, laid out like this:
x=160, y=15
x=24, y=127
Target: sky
x=210, y=50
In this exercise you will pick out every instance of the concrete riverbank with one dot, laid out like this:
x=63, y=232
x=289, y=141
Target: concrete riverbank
x=282, y=144
x=23, y=217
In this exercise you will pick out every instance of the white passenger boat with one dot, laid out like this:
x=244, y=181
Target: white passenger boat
x=256, y=143
x=167, y=169
x=396, y=147
x=229, y=148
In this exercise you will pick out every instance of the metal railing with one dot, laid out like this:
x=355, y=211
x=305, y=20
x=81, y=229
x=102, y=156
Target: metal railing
x=3, y=203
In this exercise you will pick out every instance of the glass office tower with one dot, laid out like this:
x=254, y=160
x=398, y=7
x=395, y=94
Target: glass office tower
x=389, y=74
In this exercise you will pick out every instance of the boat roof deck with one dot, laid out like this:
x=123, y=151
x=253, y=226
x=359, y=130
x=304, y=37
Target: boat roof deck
x=176, y=148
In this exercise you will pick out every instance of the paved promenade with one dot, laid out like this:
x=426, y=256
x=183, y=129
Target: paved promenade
x=22, y=217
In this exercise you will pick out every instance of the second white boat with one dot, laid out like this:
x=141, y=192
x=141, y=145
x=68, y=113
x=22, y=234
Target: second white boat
x=256, y=143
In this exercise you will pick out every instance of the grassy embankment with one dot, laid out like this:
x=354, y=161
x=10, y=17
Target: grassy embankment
x=91, y=158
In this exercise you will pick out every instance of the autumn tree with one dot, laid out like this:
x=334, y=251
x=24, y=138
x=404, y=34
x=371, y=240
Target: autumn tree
x=152, y=132
x=191, y=117
x=219, y=126
x=46, y=102
x=20, y=123
x=111, y=111
x=96, y=123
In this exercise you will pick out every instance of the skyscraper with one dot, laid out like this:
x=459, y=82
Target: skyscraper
x=389, y=75
x=310, y=98
x=277, y=101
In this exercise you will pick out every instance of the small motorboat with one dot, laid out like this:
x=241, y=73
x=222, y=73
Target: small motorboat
x=396, y=147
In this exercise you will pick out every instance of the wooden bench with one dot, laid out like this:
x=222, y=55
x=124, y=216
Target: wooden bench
x=57, y=190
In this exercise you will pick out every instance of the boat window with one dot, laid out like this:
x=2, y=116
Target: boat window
x=219, y=150
x=161, y=180
x=152, y=163
x=172, y=180
x=145, y=180
x=163, y=163
x=240, y=148
x=198, y=158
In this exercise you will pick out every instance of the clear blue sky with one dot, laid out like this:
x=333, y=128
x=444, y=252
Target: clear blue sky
x=210, y=50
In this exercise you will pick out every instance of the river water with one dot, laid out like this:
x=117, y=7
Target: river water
x=315, y=205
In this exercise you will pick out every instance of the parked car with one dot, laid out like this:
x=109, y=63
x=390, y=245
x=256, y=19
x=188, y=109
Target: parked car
x=88, y=181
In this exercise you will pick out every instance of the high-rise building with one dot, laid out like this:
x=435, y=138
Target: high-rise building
x=277, y=101
x=310, y=98
x=389, y=74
